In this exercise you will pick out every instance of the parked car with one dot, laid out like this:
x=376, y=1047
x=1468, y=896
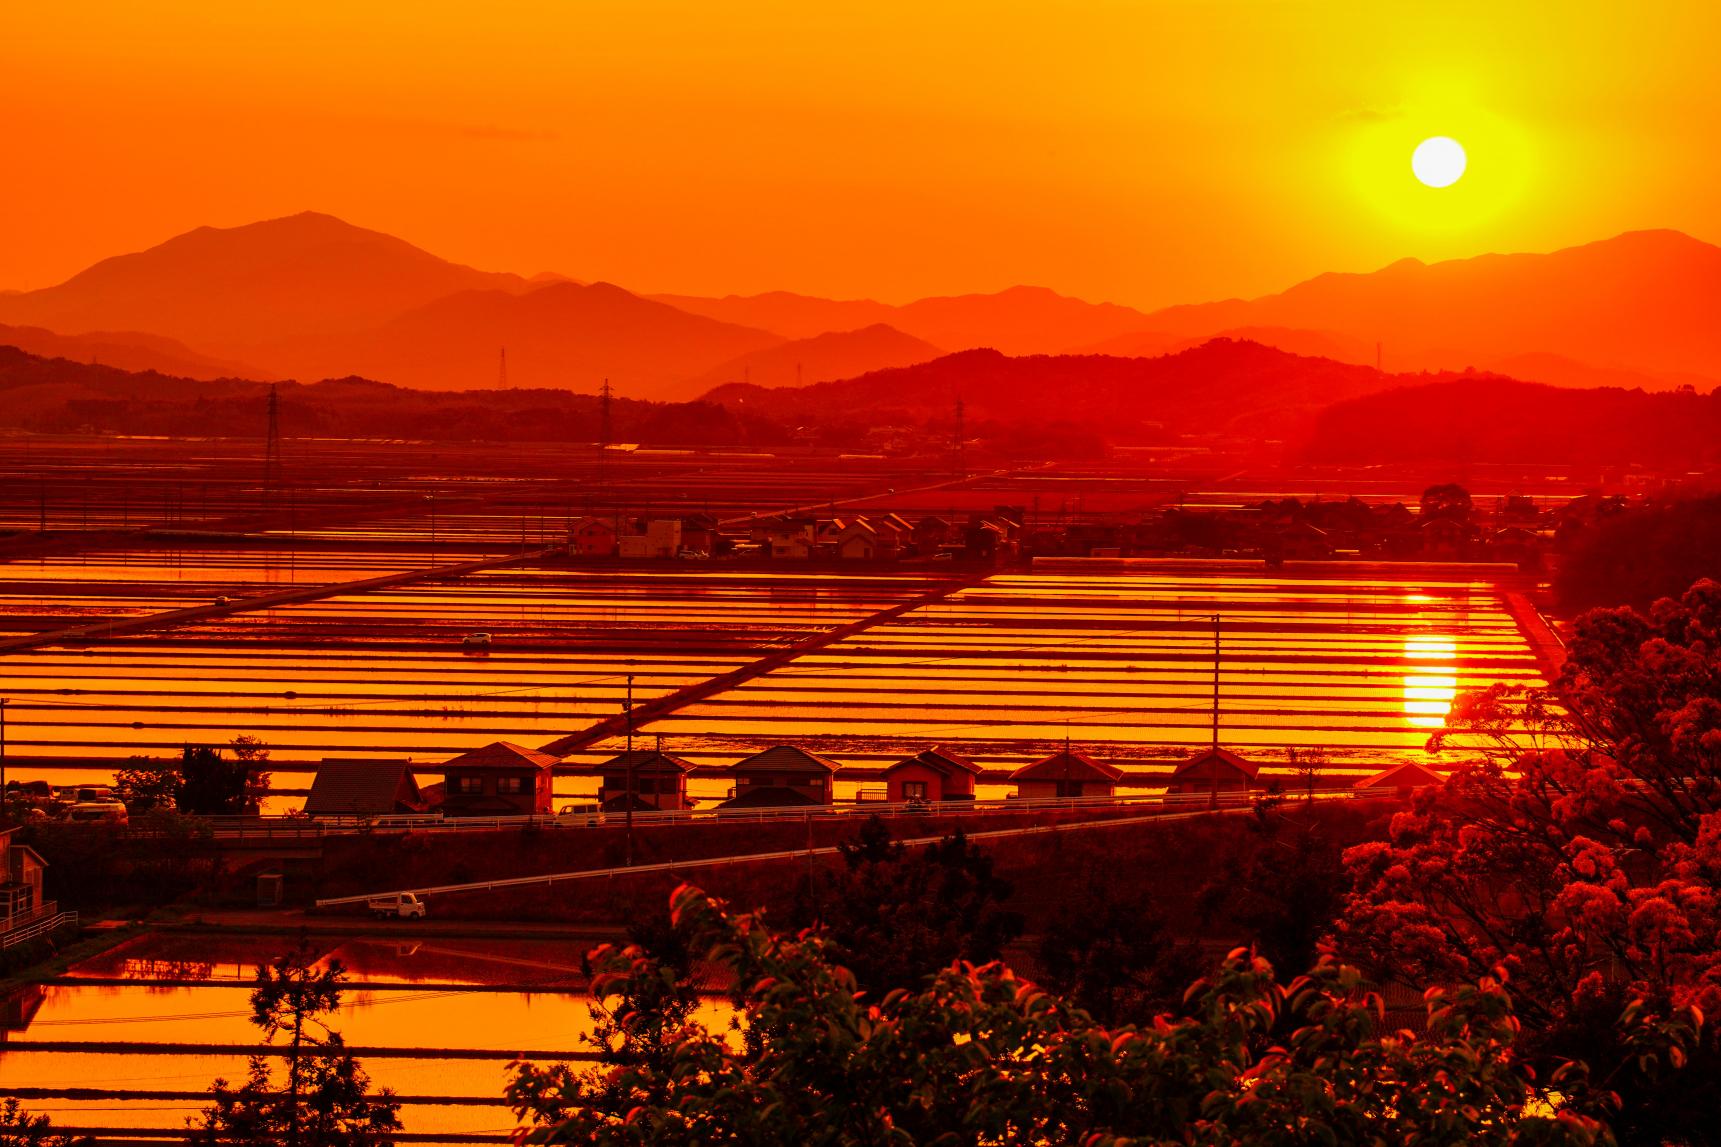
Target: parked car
x=402, y=906
x=89, y=794
x=479, y=640
x=87, y=812
x=590, y=815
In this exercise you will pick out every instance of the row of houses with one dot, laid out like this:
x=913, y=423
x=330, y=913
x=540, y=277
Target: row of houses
x=504, y=779
x=642, y=538
x=992, y=536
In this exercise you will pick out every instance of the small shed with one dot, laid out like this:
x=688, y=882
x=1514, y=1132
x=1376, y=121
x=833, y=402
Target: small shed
x=659, y=781
x=1399, y=780
x=500, y=779
x=353, y=787
x=782, y=775
x=1213, y=770
x=1067, y=773
x=936, y=774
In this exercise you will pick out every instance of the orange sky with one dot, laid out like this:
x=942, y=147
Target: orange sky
x=1148, y=153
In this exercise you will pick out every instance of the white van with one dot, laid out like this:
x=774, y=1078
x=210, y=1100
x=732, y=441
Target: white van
x=111, y=812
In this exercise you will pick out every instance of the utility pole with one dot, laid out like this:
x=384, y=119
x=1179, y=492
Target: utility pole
x=1213, y=752
x=1067, y=760
x=604, y=414
x=272, y=451
x=961, y=437
x=502, y=373
x=627, y=707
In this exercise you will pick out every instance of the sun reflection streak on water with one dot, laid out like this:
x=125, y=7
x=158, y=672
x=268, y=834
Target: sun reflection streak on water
x=1430, y=680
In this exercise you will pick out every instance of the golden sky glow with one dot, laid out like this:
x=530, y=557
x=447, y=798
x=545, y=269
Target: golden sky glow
x=1144, y=152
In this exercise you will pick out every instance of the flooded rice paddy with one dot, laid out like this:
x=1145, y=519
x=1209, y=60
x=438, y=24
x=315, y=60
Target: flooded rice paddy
x=1004, y=670
x=488, y=1001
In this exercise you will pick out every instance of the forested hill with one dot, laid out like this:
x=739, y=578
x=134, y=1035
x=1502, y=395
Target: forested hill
x=1488, y=418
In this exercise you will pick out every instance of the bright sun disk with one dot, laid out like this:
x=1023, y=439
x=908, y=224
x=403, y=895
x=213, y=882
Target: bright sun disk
x=1438, y=161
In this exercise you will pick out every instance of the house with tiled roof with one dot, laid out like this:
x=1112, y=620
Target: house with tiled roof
x=655, y=779
x=346, y=787
x=500, y=779
x=782, y=775
x=1213, y=770
x=935, y=774
x=1066, y=773
x=1399, y=780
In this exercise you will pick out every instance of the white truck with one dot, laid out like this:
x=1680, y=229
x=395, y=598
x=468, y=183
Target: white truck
x=402, y=906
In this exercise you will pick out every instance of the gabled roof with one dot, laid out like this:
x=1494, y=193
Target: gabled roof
x=501, y=755
x=787, y=759
x=769, y=796
x=355, y=788
x=1409, y=775
x=940, y=760
x=1067, y=764
x=932, y=521
x=1203, y=763
x=646, y=762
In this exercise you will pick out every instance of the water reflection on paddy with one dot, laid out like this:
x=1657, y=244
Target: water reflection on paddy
x=381, y=1009
x=1003, y=669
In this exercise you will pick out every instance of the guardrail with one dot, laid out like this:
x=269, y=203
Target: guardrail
x=49, y=919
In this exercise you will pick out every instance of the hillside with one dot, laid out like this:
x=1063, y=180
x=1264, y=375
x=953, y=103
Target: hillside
x=837, y=354
x=128, y=350
x=1644, y=301
x=251, y=292
x=58, y=396
x=1312, y=344
x=560, y=335
x=1017, y=321
x=1488, y=418
x=1222, y=386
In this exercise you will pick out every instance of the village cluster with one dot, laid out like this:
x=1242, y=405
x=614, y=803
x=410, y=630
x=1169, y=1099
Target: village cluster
x=502, y=779
x=1445, y=526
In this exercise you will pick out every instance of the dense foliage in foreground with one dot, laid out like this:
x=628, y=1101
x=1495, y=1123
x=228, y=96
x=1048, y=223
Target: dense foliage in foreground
x=1590, y=867
x=976, y=1056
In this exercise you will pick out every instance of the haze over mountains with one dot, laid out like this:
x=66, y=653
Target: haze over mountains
x=310, y=296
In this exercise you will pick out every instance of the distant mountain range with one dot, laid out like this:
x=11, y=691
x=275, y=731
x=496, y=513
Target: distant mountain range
x=1643, y=303
x=834, y=355
x=247, y=292
x=561, y=335
x=310, y=296
x=1017, y=321
x=1221, y=387
x=128, y=350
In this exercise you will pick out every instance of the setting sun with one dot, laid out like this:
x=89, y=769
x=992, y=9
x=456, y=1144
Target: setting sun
x=1438, y=162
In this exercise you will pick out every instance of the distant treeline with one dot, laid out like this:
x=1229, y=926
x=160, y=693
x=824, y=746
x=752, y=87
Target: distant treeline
x=1488, y=418
x=1641, y=554
x=56, y=396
